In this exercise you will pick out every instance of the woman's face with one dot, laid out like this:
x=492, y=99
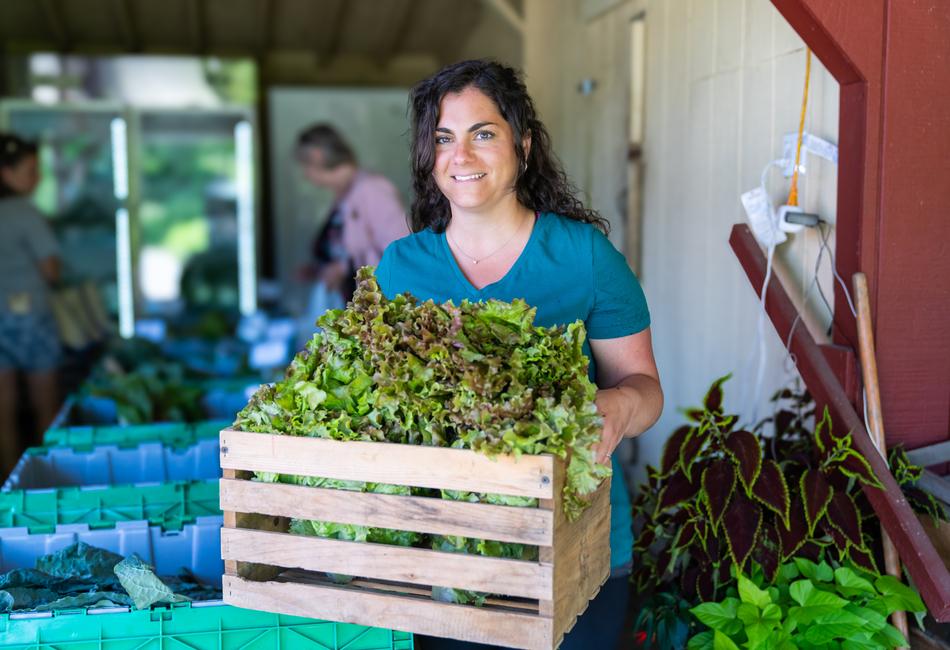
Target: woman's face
x=22, y=177
x=475, y=161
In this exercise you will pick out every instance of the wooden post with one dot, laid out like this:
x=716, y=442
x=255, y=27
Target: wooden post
x=872, y=396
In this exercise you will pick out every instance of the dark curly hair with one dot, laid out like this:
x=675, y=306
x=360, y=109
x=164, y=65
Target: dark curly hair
x=13, y=149
x=542, y=184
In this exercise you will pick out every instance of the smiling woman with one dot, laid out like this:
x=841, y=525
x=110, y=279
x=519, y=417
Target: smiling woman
x=494, y=217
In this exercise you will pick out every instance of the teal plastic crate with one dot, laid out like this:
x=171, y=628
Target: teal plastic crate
x=176, y=434
x=195, y=626
x=167, y=505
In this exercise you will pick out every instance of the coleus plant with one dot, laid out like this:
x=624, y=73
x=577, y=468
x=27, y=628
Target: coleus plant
x=724, y=497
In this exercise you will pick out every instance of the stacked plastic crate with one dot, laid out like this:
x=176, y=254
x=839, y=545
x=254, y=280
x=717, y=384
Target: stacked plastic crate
x=151, y=490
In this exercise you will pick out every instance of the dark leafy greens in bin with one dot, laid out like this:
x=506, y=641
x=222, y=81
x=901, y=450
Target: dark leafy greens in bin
x=477, y=376
x=81, y=575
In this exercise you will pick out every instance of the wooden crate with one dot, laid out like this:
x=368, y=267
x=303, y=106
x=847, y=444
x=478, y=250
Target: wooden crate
x=268, y=569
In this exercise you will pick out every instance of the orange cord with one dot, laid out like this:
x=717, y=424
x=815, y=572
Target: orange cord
x=793, y=190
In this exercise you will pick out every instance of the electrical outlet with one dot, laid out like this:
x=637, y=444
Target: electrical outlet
x=762, y=218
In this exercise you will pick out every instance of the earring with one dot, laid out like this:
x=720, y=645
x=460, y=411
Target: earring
x=524, y=166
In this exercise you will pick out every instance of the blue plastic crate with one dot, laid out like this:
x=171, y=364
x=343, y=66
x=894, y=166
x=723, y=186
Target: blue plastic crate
x=196, y=546
x=150, y=462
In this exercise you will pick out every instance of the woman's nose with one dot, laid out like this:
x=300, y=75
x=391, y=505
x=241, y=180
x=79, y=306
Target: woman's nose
x=462, y=153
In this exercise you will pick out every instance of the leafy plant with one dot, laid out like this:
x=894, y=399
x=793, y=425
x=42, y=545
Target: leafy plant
x=907, y=475
x=724, y=497
x=480, y=376
x=808, y=605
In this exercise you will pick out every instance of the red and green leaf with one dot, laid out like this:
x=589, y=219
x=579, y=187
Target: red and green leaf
x=742, y=523
x=705, y=586
x=843, y=516
x=713, y=399
x=823, y=437
x=794, y=535
x=767, y=552
x=744, y=447
x=688, y=452
x=672, y=448
x=645, y=540
x=863, y=558
x=678, y=489
x=686, y=535
x=857, y=467
x=719, y=482
x=772, y=490
x=816, y=494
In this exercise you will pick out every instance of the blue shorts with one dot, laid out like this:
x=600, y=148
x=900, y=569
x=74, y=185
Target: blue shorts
x=29, y=342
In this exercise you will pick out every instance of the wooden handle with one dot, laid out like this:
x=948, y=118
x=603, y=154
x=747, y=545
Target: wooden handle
x=872, y=397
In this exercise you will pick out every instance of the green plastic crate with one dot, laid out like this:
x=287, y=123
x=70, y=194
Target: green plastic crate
x=212, y=626
x=169, y=505
x=176, y=434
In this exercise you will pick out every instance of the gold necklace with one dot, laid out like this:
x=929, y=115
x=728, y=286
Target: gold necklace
x=482, y=259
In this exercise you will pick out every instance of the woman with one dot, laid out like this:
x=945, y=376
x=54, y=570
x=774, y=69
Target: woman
x=29, y=263
x=495, y=217
x=367, y=213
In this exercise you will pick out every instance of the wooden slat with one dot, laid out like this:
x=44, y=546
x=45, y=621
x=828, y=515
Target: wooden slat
x=296, y=576
x=409, y=613
x=431, y=467
x=382, y=561
x=533, y=526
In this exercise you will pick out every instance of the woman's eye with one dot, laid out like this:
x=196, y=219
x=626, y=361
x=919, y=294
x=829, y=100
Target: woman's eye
x=484, y=135
x=442, y=139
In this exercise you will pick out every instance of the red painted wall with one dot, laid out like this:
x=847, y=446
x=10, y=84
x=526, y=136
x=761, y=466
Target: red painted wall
x=892, y=61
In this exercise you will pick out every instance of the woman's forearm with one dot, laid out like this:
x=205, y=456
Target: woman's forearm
x=643, y=398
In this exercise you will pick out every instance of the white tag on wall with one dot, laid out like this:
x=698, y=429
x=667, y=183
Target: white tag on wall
x=810, y=144
x=758, y=208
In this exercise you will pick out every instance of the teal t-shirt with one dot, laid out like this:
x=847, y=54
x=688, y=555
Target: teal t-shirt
x=568, y=271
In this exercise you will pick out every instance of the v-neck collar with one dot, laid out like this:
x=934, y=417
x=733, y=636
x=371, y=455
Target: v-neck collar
x=467, y=284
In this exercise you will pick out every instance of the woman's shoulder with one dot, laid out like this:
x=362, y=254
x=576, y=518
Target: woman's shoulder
x=414, y=246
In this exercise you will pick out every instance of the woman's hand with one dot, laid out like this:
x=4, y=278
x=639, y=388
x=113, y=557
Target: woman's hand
x=635, y=399
x=614, y=406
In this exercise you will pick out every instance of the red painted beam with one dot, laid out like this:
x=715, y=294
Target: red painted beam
x=922, y=561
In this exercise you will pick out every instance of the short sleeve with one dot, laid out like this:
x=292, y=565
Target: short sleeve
x=619, y=306
x=37, y=234
x=384, y=272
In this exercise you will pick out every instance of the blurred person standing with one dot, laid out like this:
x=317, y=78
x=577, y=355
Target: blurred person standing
x=29, y=265
x=367, y=212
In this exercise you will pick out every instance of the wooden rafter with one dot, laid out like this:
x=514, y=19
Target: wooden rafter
x=918, y=554
x=504, y=9
x=125, y=25
x=197, y=25
x=397, y=24
x=265, y=36
x=57, y=25
x=335, y=17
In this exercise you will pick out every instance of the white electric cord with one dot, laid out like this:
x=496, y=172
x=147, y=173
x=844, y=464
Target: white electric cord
x=759, y=344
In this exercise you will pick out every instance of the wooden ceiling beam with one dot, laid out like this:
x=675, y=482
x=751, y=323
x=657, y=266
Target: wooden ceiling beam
x=397, y=25
x=197, y=25
x=505, y=9
x=265, y=12
x=336, y=14
x=125, y=25
x=57, y=25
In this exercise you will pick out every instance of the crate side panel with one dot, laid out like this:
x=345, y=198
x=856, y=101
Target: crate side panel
x=582, y=560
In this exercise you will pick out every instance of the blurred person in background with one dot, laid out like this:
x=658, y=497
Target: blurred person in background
x=29, y=265
x=367, y=212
